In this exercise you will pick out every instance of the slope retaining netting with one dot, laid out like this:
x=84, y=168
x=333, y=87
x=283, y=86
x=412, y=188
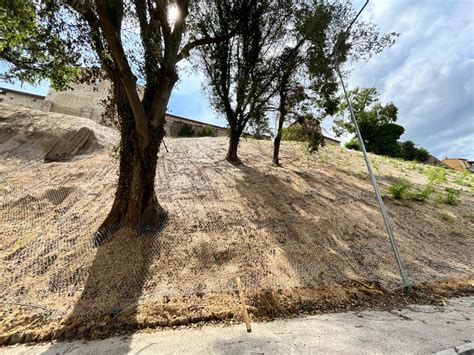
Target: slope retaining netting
x=221, y=221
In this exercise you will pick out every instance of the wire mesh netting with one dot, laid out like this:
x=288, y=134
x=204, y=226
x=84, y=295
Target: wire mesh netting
x=306, y=224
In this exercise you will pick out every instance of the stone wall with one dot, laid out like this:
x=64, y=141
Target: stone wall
x=87, y=101
x=82, y=100
x=22, y=99
x=174, y=124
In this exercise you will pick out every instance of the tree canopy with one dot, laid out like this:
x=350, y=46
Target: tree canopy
x=377, y=124
x=280, y=49
x=33, y=49
x=239, y=69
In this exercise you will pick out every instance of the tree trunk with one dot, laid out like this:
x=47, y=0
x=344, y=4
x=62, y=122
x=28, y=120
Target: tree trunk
x=234, y=138
x=135, y=203
x=277, y=141
x=281, y=120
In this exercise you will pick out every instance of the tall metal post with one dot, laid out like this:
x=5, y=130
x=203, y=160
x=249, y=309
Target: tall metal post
x=378, y=195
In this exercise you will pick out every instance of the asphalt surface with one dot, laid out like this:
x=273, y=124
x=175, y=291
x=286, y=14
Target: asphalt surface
x=415, y=329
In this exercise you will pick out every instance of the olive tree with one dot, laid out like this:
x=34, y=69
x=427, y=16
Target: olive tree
x=125, y=40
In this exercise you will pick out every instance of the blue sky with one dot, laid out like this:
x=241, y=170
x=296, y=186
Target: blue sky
x=428, y=73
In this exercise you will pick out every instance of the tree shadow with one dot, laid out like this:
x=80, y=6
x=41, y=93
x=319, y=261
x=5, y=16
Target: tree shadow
x=308, y=226
x=110, y=299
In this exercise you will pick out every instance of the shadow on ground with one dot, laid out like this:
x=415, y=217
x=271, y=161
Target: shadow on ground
x=112, y=292
x=309, y=226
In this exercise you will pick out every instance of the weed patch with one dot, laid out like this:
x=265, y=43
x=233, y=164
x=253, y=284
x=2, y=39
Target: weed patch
x=446, y=217
x=465, y=179
x=450, y=197
x=323, y=158
x=457, y=232
x=435, y=174
x=404, y=190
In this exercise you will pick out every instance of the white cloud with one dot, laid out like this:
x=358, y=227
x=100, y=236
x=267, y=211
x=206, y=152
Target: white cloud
x=428, y=73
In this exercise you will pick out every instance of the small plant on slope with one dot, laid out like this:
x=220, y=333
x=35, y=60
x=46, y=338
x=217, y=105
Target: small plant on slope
x=399, y=188
x=404, y=190
x=451, y=197
x=466, y=179
x=419, y=194
x=446, y=217
x=435, y=174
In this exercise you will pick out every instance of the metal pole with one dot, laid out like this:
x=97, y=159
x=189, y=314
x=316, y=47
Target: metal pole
x=378, y=195
x=376, y=189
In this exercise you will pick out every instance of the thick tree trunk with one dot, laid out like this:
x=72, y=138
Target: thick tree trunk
x=135, y=203
x=234, y=138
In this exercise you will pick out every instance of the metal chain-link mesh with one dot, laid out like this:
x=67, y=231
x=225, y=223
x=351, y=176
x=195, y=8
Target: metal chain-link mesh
x=308, y=223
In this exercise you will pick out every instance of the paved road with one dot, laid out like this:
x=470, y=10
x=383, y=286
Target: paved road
x=416, y=329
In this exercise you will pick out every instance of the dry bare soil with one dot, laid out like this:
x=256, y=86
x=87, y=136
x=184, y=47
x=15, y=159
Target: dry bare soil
x=305, y=237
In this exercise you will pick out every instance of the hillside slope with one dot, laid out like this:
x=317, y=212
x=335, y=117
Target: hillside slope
x=311, y=223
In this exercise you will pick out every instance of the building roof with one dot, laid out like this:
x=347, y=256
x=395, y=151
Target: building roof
x=194, y=121
x=6, y=90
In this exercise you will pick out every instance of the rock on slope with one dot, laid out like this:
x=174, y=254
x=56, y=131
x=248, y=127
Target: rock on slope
x=35, y=135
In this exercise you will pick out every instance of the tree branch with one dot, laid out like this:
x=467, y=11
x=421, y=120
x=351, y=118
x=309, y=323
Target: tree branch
x=207, y=40
x=111, y=34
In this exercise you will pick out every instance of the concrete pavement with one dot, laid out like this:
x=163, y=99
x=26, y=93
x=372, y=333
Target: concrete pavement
x=416, y=329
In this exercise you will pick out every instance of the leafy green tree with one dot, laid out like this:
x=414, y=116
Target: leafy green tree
x=422, y=155
x=305, y=129
x=307, y=80
x=31, y=49
x=96, y=34
x=239, y=70
x=410, y=152
x=376, y=122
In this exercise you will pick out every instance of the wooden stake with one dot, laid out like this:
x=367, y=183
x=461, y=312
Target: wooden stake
x=244, y=306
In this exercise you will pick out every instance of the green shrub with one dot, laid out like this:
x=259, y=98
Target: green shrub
x=399, y=188
x=352, y=144
x=419, y=195
x=293, y=133
x=404, y=190
x=207, y=131
x=186, y=131
x=435, y=174
x=451, y=196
